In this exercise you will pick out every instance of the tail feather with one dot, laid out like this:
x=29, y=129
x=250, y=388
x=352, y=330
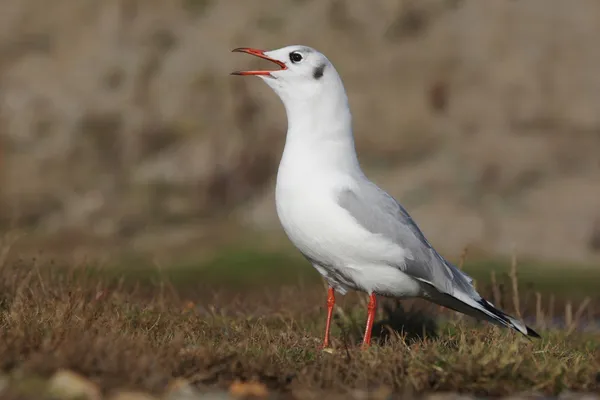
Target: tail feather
x=507, y=320
x=479, y=308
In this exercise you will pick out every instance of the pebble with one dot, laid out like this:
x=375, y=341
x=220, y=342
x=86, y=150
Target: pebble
x=449, y=396
x=181, y=389
x=66, y=384
x=126, y=395
x=568, y=395
x=245, y=389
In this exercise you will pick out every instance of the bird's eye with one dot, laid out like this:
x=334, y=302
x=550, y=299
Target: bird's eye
x=295, y=57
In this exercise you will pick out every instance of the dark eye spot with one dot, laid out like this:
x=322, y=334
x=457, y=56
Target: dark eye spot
x=295, y=57
x=318, y=71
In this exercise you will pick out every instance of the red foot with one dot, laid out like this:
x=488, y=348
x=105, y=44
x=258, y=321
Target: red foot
x=330, y=304
x=371, y=309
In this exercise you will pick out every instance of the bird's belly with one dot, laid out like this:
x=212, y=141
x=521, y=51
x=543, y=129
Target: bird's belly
x=385, y=280
x=348, y=256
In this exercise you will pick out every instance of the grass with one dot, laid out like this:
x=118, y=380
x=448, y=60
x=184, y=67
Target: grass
x=142, y=331
x=250, y=266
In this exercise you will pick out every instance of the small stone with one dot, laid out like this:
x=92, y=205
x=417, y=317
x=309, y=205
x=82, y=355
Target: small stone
x=69, y=385
x=449, y=396
x=216, y=396
x=357, y=394
x=527, y=395
x=578, y=396
x=569, y=395
x=245, y=389
x=126, y=395
x=302, y=393
x=381, y=393
x=181, y=389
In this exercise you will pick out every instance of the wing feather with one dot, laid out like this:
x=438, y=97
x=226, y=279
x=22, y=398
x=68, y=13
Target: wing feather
x=381, y=214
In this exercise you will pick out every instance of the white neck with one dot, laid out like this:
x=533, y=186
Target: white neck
x=319, y=136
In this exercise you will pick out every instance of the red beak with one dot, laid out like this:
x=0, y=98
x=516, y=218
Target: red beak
x=260, y=54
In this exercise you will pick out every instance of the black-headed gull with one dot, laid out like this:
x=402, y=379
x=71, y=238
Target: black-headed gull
x=354, y=233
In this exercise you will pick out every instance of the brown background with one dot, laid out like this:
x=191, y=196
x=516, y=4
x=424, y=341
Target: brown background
x=119, y=122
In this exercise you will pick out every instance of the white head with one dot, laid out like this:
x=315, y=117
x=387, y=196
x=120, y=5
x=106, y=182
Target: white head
x=312, y=92
x=306, y=81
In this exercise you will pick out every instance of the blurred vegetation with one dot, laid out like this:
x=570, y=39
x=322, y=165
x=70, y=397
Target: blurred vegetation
x=120, y=122
x=253, y=268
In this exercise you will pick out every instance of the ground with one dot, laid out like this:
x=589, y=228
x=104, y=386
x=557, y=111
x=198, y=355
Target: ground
x=214, y=328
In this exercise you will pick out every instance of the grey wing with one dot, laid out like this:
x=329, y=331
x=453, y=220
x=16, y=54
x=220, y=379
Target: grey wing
x=381, y=214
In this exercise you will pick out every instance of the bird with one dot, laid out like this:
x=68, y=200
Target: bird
x=356, y=235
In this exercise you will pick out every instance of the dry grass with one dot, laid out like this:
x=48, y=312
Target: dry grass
x=123, y=334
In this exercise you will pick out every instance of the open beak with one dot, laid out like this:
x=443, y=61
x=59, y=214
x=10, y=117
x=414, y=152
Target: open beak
x=260, y=54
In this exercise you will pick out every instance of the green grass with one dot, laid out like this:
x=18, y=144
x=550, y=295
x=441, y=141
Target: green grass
x=251, y=267
x=570, y=280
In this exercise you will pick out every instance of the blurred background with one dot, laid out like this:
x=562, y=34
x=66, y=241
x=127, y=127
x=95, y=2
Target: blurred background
x=121, y=131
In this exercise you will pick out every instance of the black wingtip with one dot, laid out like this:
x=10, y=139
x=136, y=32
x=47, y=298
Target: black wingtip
x=507, y=319
x=532, y=333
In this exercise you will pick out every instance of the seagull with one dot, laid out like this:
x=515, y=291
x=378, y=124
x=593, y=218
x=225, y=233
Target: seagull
x=355, y=234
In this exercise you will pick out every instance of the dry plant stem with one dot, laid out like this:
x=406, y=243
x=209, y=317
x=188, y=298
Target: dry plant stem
x=371, y=308
x=539, y=315
x=330, y=305
x=578, y=314
x=515, y=286
x=568, y=315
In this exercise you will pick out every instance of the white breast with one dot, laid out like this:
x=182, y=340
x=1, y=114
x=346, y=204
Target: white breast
x=313, y=221
x=322, y=230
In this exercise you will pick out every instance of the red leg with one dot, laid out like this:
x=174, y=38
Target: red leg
x=371, y=309
x=330, y=304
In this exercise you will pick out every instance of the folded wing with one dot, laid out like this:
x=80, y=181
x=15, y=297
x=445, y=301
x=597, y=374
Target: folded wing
x=381, y=214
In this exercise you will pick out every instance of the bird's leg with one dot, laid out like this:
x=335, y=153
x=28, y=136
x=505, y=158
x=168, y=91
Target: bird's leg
x=330, y=304
x=371, y=309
